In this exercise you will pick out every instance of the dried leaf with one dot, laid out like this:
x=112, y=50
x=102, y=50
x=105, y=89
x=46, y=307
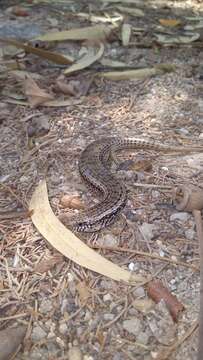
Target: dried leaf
x=65, y=88
x=86, y=60
x=10, y=340
x=138, y=73
x=83, y=291
x=35, y=95
x=121, y=1
x=125, y=34
x=178, y=39
x=113, y=63
x=141, y=164
x=97, y=32
x=131, y=11
x=53, y=103
x=170, y=22
x=51, y=56
x=68, y=244
x=72, y=202
x=20, y=11
x=23, y=75
x=157, y=291
x=59, y=103
x=100, y=19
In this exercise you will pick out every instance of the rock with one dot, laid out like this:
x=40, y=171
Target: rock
x=201, y=136
x=63, y=329
x=200, y=104
x=51, y=335
x=108, y=240
x=181, y=216
x=45, y=306
x=74, y=353
x=50, y=325
x=10, y=340
x=155, y=194
x=117, y=356
x=143, y=305
x=38, y=334
x=182, y=131
x=198, y=121
x=139, y=292
x=161, y=323
x=60, y=342
x=52, y=347
x=36, y=354
x=71, y=201
x=87, y=316
x=142, y=338
x=108, y=317
x=133, y=326
x=190, y=234
x=132, y=266
x=147, y=230
x=107, y=297
x=38, y=126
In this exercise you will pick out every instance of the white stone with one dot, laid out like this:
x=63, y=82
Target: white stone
x=139, y=292
x=190, y=234
x=147, y=231
x=181, y=216
x=131, y=266
x=133, y=326
x=109, y=240
x=63, y=328
x=107, y=297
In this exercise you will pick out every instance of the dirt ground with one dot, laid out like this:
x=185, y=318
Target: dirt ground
x=71, y=312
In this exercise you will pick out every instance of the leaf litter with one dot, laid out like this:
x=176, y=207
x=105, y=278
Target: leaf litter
x=83, y=106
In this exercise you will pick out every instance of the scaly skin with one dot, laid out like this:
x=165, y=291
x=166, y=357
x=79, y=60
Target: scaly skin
x=94, y=168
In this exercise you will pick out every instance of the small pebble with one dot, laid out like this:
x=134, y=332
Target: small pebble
x=182, y=131
x=190, y=234
x=108, y=317
x=133, y=326
x=161, y=253
x=109, y=240
x=72, y=202
x=139, y=292
x=143, y=338
x=38, y=334
x=147, y=230
x=181, y=216
x=107, y=297
x=63, y=329
x=45, y=306
x=38, y=126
